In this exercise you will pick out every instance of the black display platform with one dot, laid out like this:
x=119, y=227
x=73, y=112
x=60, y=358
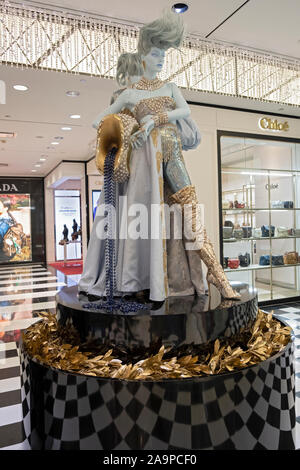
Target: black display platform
x=180, y=320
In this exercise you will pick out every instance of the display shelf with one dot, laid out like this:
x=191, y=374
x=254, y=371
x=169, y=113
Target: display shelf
x=266, y=209
x=258, y=171
x=234, y=240
x=256, y=267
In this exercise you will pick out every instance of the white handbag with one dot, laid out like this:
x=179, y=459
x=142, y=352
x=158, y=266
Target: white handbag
x=281, y=232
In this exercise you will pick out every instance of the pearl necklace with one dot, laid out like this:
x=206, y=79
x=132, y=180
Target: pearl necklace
x=151, y=85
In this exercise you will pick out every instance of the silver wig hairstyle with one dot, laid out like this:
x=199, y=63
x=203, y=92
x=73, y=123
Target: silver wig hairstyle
x=128, y=65
x=163, y=33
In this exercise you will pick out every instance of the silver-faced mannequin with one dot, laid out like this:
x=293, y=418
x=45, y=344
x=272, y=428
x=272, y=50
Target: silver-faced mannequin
x=156, y=164
x=153, y=63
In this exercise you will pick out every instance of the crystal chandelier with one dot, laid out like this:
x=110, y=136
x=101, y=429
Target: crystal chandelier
x=52, y=40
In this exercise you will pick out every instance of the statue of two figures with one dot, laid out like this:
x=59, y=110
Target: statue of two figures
x=140, y=142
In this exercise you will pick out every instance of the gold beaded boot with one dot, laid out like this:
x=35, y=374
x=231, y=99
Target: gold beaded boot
x=215, y=272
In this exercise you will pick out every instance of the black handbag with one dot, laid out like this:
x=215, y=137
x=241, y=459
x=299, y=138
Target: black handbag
x=244, y=260
x=265, y=230
x=225, y=262
x=288, y=204
x=277, y=260
x=264, y=260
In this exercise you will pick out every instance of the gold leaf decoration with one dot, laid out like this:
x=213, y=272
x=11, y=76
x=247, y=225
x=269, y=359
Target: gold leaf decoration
x=60, y=347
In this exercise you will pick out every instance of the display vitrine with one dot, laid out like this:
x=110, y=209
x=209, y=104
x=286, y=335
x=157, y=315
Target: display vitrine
x=260, y=220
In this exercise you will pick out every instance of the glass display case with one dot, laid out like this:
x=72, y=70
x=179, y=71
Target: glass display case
x=260, y=220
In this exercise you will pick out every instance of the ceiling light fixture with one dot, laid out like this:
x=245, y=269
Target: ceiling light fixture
x=20, y=87
x=42, y=159
x=37, y=165
x=33, y=171
x=180, y=7
x=66, y=128
x=54, y=143
x=75, y=116
x=72, y=93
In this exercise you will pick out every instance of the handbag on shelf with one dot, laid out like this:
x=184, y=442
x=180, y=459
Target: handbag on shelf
x=233, y=263
x=291, y=257
x=247, y=232
x=227, y=232
x=256, y=232
x=266, y=230
x=264, y=260
x=238, y=233
x=277, y=205
x=244, y=260
x=297, y=232
x=226, y=204
x=288, y=204
x=291, y=232
x=225, y=262
x=228, y=223
x=282, y=232
x=277, y=260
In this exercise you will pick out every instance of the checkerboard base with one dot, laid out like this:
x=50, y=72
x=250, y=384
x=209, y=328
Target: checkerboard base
x=250, y=409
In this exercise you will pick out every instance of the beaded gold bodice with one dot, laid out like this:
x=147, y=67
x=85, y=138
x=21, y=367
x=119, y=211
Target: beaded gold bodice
x=152, y=106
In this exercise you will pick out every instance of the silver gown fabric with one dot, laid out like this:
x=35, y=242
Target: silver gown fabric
x=163, y=266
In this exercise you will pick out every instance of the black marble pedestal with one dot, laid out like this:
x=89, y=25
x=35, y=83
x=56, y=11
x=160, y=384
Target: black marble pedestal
x=180, y=320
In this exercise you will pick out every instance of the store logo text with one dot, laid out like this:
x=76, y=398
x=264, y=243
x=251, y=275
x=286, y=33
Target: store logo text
x=5, y=187
x=273, y=125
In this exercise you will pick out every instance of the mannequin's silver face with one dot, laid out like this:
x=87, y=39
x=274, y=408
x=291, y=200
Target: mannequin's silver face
x=154, y=60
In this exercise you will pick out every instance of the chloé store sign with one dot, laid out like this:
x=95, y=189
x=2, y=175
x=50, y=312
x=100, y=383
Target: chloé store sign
x=273, y=124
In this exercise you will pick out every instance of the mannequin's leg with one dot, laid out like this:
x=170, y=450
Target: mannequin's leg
x=184, y=193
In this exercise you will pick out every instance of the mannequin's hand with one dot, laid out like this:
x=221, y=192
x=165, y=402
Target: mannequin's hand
x=139, y=138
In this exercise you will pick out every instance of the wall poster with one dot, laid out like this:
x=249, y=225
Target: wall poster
x=15, y=228
x=22, y=229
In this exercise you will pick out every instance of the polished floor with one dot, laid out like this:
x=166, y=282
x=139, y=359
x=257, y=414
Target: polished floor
x=27, y=290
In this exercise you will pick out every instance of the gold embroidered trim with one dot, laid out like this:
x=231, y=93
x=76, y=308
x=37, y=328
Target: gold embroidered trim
x=154, y=105
x=146, y=84
x=186, y=195
x=154, y=135
x=159, y=159
x=115, y=131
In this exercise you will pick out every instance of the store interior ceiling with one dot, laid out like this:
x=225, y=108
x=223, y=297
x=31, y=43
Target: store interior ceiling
x=38, y=114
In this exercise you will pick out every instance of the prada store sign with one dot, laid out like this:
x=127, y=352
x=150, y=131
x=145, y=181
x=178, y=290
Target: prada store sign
x=273, y=124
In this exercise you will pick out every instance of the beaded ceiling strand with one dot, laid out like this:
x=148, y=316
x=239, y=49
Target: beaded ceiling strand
x=53, y=40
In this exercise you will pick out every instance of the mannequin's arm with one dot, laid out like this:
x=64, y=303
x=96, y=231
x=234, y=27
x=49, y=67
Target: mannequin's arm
x=182, y=109
x=114, y=108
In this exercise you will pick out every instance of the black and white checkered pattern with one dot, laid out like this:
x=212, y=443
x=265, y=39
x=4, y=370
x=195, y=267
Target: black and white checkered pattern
x=250, y=409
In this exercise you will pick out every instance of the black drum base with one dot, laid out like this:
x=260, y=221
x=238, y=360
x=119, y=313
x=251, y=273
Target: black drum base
x=250, y=409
